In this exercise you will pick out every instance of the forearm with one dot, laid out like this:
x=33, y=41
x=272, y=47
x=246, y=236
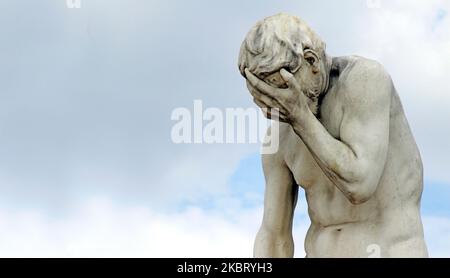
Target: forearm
x=269, y=245
x=355, y=161
x=338, y=161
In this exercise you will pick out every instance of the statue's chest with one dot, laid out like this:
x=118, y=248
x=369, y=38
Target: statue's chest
x=298, y=157
x=301, y=163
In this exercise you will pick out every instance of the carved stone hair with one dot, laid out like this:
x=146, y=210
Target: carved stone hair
x=278, y=42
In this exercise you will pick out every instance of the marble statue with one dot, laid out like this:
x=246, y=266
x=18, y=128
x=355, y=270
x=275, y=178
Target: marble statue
x=344, y=139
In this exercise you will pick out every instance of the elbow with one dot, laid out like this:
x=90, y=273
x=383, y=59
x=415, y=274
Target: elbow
x=358, y=198
x=361, y=187
x=358, y=184
x=359, y=193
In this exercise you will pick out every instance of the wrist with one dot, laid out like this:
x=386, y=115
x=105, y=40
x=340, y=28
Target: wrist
x=300, y=118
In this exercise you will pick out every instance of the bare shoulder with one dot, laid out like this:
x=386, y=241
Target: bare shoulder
x=366, y=81
x=277, y=158
x=364, y=67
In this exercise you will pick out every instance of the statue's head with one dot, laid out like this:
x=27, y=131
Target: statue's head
x=285, y=41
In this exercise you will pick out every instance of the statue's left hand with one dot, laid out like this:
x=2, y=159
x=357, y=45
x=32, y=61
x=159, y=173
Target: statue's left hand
x=285, y=105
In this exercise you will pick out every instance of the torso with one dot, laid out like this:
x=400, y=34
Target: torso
x=388, y=224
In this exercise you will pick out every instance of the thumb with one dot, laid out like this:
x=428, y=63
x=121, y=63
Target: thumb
x=287, y=76
x=290, y=79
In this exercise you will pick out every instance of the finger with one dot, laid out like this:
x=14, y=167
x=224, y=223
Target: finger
x=282, y=119
x=270, y=102
x=259, y=103
x=274, y=114
x=262, y=86
x=290, y=80
x=270, y=110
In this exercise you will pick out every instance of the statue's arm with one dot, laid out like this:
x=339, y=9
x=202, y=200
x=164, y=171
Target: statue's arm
x=274, y=238
x=355, y=161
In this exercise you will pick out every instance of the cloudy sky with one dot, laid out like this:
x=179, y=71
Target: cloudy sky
x=87, y=164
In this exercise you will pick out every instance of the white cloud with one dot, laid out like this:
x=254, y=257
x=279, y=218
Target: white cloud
x=412, y=39
x=88, y=94
x=100, y=228
x=403, y=35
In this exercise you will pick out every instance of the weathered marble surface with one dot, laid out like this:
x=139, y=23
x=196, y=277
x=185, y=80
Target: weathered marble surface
x=344, y=139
